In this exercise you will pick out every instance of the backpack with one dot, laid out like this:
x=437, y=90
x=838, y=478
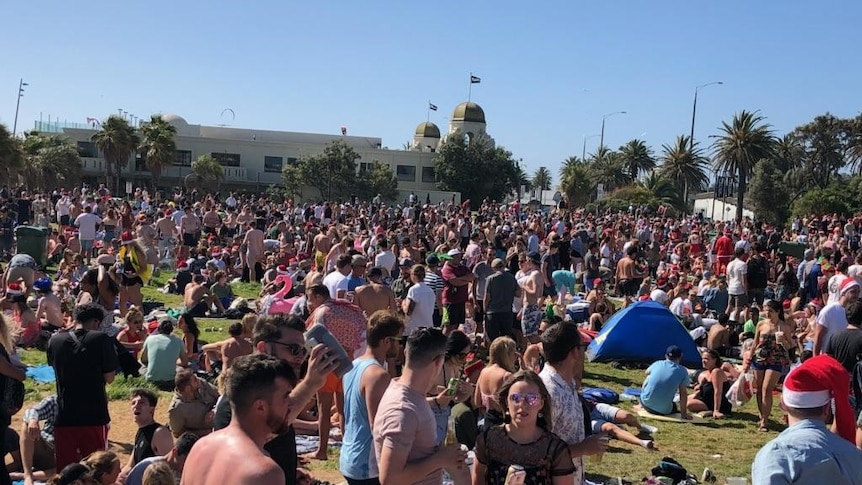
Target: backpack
x=601, y=395
x=668, y=467
x=758, y=271
x=13, y=393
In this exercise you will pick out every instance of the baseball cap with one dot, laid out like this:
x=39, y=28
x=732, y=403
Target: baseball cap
x=453, y=252
x=432, y=260
x=674, y=352
x=405, y=262
x=535, y=257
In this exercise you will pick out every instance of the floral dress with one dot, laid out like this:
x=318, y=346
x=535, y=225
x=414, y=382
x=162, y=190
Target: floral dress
x=543, y=459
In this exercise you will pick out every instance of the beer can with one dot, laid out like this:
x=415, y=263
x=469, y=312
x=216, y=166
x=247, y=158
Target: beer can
x=452, y=386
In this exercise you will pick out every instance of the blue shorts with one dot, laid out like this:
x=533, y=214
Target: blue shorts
x=764, y=367
x=86, y=244
x=601, y=414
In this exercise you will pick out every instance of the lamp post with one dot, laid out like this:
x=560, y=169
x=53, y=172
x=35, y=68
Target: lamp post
x=691, y=137
x=602, y=140
x=21, y=85
x=584, y=148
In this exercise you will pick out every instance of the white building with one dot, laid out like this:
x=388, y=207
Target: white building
x=254, y=159
x=717, y=208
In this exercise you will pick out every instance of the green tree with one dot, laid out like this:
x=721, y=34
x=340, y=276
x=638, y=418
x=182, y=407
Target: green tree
x=741, y=144
x=333, y=172
x=159, y=146
x=475, y=170
x=828, y=145
x=821, y=201
x=541, y=180
x=52, y=161
x=768, y=193
x=606, y=168
x=291, y=178
x=575, y=182
x=637, y=158
x=663, y=190
x=685, y=165
x=11, y=156
x=117, y=140
x=208, y=171
x=378, y=180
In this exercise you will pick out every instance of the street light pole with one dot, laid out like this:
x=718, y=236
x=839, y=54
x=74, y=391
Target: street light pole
x=691, y=137
x=602, y=140
x=584, y=149
x=21, y=85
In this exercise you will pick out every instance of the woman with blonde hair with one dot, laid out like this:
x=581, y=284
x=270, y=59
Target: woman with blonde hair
x=134, y=273
x=104, y=465
x=8, y=370
x=159, y=473
x=502, y=354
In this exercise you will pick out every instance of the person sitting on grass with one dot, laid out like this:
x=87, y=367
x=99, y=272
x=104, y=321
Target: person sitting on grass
x=198, y=299
x=605, y=418
x=105, y=467
x=37, y=444
x=664, y=379
x=175, y=459
x=711, y=388
x=152, y=438
x=160, y=353
x=49, y=309
x=222, y=290
x=191, y=409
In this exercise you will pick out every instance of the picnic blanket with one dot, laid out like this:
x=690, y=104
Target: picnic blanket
x=307, y=444
x=673, y=418
x=42, y=373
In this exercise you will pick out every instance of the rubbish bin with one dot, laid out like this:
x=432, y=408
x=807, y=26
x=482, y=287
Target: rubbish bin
x=33, y=241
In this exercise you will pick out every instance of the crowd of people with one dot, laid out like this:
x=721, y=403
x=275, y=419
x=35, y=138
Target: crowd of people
x=464, y=357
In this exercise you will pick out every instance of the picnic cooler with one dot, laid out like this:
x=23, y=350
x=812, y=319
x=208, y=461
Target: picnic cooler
x=579, y=312
x=33, y=241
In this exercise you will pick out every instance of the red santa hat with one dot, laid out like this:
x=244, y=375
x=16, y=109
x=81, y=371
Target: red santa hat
x=847, y=285
x=815, y=383
x=182, y=266
x=126, y=237
x=14, y=289
x=216, y=252
x=282, y=270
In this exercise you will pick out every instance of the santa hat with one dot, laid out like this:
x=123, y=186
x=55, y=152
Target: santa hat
x=216, y=252
x=182, y=266
x=126, y=237
x=847, y=285
x=14, y=289
x=815, y=383
x=282, y=270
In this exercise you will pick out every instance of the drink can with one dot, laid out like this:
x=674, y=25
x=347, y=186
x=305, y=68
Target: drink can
x=452, y=386
x=515, y=475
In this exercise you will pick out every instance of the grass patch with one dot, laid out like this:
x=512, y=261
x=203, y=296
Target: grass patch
x=249, y=291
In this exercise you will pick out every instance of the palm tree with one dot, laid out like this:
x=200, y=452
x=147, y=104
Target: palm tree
x=12, y=159
x=520, y=180
x=663, y=190
x=541, y=180
x=52, y=161
x=117, y=140
x=685, y=165
x=606, y=168
x=208, y=170
x=637, y=157
x=575, y=182
x=741, y=144
x=159, y=145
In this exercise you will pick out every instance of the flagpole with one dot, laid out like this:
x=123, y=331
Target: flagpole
x=428, y=111
x=470, y=87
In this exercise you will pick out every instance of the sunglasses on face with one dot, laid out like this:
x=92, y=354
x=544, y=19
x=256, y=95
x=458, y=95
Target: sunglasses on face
x=530, y=398
x=295, y=350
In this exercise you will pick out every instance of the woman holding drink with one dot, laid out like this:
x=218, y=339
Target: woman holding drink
x=770, y=356
x=523, y=450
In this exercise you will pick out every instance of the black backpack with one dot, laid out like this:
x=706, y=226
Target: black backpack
x=758, y=271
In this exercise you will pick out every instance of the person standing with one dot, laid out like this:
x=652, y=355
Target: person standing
x=737, y=287
x=832, y=319
x=807, y=451
x=420, y=301
x=87, y=224
x=481, y=270
x=84, y=360
x=456, y=278
x=364, y=386
x=404, y=430
x=564, y=355
x=501, y=288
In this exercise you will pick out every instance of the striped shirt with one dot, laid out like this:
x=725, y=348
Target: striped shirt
x=435, y=282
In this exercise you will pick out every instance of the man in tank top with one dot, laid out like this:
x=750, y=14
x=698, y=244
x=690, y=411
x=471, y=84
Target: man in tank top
x=152, y=438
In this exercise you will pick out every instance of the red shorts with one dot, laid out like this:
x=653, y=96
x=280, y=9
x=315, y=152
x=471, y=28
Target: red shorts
x=74, y=443
x=333, y=384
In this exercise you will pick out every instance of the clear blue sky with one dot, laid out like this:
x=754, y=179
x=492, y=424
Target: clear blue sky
x=549, y=71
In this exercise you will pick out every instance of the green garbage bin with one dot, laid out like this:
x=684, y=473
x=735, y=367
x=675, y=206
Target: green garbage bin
x=33, y=241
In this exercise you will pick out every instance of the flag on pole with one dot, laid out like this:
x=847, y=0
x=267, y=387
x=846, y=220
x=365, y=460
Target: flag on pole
x=475, y=79
x=432, y=107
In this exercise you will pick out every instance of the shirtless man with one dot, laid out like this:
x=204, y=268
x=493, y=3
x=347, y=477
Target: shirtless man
x=49, y=308
x=234, y=347
x=628, y=276
x=531, y=315
x=198, y=299
x=190, y=227
x=211, y=221
x=259, y=387
x=254, y=250
x=375, y=295
x=322, y=245
x=533, y=357
x=167, y=235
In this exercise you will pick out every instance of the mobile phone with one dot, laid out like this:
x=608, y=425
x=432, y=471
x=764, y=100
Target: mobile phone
x=318, y=334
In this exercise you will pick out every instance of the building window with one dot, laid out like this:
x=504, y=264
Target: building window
x=87, y=149
x=141, y=162
x=292, y=161
x=273, y=164
x=406, y=173
x=183, y=158
x=428, y=175
x=365, y=167
x=226, y=159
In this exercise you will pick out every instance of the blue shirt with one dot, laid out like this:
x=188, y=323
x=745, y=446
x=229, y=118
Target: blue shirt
x=664, y=379
x=136, y=474
x=354, y=282
x=564, y=277
x=358, y=459
x=806, y=453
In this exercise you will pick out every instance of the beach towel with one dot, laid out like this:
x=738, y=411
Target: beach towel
x=42, y=373
x=673, y=418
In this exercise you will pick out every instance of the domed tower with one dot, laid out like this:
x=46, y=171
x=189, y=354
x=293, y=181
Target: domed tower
x=468, y=120
x=426, y=138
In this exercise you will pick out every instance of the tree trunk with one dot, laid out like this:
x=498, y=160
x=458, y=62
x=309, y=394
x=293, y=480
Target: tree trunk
x=740, y=197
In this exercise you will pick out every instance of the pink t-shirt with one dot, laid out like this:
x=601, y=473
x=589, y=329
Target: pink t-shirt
x=404, y=420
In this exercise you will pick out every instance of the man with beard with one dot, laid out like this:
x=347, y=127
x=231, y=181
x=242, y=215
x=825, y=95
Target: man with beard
x=282, y=336
x=258, y=388
x=364, y=386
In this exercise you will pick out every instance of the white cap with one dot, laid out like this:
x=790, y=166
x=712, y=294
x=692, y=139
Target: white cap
x=454, y=252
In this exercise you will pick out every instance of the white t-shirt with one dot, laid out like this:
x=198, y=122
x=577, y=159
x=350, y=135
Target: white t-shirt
x=423, y=310
x=87, y=224
x=834, y=318
x=681, y=307
x=335, y=281
x=855, y=271
x=386, y=260
x=736, y=271
x=63, y=206
x=833, y=286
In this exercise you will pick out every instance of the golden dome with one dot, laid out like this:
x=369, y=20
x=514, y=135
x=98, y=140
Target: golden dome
x=428, y=130
x=468, y=111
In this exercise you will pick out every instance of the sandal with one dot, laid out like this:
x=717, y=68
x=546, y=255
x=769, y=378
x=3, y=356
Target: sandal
x=763, y=429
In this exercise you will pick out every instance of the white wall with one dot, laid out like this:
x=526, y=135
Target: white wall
x=723, y=211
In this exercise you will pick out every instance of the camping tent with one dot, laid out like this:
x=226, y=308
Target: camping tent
x=642, y=332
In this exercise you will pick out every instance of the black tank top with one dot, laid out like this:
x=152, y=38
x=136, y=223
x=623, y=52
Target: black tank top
x=144, y=442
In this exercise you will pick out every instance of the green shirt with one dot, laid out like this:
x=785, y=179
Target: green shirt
x=162, y=352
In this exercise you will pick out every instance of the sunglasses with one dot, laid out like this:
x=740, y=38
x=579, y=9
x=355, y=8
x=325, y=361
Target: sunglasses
x=530, y=398
x=402, y=340
x=295, y=349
